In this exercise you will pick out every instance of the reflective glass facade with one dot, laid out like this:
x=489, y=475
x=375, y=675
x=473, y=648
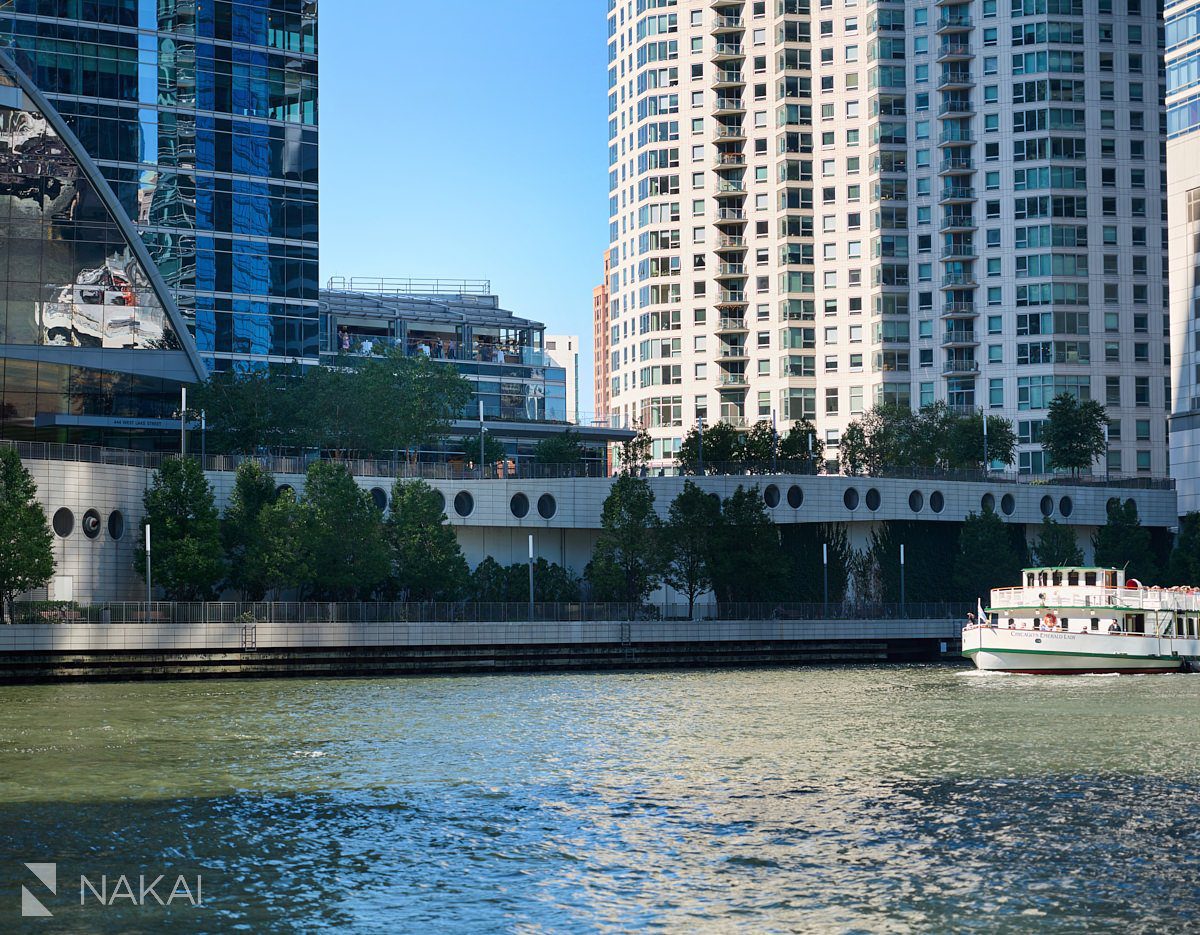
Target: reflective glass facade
x=88, y=349
x=203, y=119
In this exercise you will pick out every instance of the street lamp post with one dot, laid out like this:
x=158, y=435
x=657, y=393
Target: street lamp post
x=901, y=577
x=203, y=439
x=985, y=455
x=481, y=431
x=531, y=577
x=774, y=444
x=825, y=574
x=700, y=443
x=183, y=420
x=148, y=586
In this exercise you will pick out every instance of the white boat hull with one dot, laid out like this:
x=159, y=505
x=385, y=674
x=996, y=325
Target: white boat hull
x=1054, y=652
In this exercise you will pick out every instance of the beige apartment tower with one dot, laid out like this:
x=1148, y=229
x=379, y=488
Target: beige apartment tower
x=818, y=207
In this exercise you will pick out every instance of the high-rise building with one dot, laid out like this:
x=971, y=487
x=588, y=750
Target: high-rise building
x=1183, y=203
x=201, y=119
x=601, y=369
x=818, y=207
x=562, y=352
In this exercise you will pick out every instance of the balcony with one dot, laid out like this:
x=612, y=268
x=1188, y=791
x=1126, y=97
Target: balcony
x=731, y=187
x=964, y=309
x=963, y=367
x=956, y=108
x=954, y=52
x=958, y=251
x=955, y=79
x=726, y=242
x=731, y=269
x=730, y=133
x=956, y=165
x=728, y=24
x=729, y=161
x=732, y=352
x=954, y=23
x=957, y=222
x=957, y=280
x=732, y=325
x=728, y=78
x=731, y=297
x=728, y=51
x=958, y=193
x=734, y=215
x=728, y=106
x=956, y=138
x=733, y=381
x=959, y=337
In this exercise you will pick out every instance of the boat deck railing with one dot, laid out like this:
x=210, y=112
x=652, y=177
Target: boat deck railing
x=1140, y=599
x=1083, y=631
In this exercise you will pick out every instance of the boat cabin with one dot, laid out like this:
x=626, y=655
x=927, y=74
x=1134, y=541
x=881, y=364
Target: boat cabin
x=1073, y=577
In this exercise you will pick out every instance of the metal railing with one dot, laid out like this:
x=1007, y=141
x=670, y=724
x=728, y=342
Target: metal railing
x=390, y=612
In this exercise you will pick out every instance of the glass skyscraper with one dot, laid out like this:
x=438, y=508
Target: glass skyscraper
x=202, y=119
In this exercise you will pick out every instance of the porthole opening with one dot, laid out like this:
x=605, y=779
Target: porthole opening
x=771, y=496
x=116, y=524
x=1047, y=505
x=91, y=524
x=850, y=498
x=63, y=522
x=464, y=503
x=284, y=488
x=379, y=498
x=547, y=506
x=1065, y=506
x=1007, y=504
x=873, y=499
x=988, y=503
x=795, y=497
x=937, y=502
x=916, y=501
x=519, y=505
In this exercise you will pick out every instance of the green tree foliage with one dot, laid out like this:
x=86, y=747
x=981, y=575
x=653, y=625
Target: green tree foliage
x=1056, y=545
x=1073, y=433
x=427, y=562
x=493, y=449
x=986, y=557
x=635, y=452
x=747, y=557
x=242, y=533
x=801, y=543
x=891, y=436
x=627, y=562
x=1123, y=542
x=494, y=583
x=802, y=446
x=364, y=406
x=930, y=550
x=722, y=448
x=188, y=561
x=760, y=448
x=350, y=559
x=1184, y=564
x=26, y=550
x=689, y=537
x=287, y=560
x=564, y=448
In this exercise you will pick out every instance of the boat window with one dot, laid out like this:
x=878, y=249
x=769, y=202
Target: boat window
x=1043, y=578
x=1072, y=578
x=1029, y=579
x=1089, y=578
x=1057, y=579
x=1095, y=623
x=1011, y=623
x=1110, y=579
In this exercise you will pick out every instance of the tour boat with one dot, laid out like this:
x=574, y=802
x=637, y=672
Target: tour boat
x=1074, y=620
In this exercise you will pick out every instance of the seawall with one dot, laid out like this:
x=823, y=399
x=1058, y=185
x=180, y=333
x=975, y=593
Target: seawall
x=57, y=652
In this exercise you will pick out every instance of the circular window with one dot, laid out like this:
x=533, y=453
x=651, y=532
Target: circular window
x=379, y=498
x=916, y=501
x=441, y=500
x=937, y=502
x=850, y=498
x=795, y=497
x=90, y=524
x=116, y=524
x=519, y=505
x=547, y=506
x=1047, y=505
x=771, y=496
x=1112, y=504
x=988, y=503
x=1007, y=504
x=1065, y=506
x=873, y=499
x=464, y=503
x=64, y=522
x=284, y=488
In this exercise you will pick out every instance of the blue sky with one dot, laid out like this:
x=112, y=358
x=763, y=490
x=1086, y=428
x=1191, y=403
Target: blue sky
x=468, y=139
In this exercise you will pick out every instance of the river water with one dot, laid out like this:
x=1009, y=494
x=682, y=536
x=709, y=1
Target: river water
x=916, y=799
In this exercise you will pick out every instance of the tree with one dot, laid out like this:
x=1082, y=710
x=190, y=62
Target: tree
x=551, y=582
x=875, y=441
x=408, y=401
x=802, y=550
x=627, y=562
x=427, y=561
x=986, y=557
x=964, y=442
x=722, y=448
x=489, y=582
x=1056, y=545
x=747, y=557
x=1184, y=564
x=493, y=448
x=26, y=549
x=247, y=410
x=188, y=561
x=564, y=448
x=802, y=445
x=930, y=550
x=287, y=545
x=1123, y=542
x=635, y=452
x=689, y=535
x=1073, y=433
x=344, y=533
x=760, y=448
x=242, y=533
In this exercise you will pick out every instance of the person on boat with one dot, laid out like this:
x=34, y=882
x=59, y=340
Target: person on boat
x=970, y=620
x=1114, y=627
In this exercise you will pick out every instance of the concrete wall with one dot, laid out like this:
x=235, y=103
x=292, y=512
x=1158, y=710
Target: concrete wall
x=102, y=568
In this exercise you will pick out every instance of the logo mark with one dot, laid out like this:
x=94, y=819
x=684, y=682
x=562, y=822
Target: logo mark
x=31, y=906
